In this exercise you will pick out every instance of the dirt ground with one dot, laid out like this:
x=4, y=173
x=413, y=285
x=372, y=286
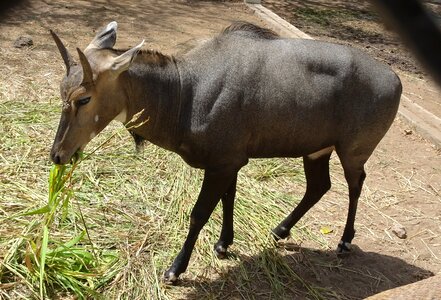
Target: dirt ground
x=406, y=190
x=357, y=24
x=403, y=185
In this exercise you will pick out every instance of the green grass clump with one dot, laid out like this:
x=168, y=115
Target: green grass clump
x=112, y=229
x=68, y=263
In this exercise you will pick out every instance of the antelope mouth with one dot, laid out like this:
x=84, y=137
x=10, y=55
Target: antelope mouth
x=77, y=156
x=62, y=157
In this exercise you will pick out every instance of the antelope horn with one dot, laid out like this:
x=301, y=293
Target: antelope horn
x=67, y=58
x=87, y=69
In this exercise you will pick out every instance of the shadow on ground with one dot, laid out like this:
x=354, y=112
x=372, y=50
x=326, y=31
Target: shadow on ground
x=299, y=273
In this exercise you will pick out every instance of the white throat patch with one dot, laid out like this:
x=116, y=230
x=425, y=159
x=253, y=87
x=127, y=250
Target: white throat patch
x=122, y=116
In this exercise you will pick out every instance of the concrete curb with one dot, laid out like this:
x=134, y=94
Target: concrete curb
x=422, y=121
x=277, y=23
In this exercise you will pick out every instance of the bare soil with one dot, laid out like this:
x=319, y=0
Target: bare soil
x=404, y=174
x=406, y=189
x=356, y=23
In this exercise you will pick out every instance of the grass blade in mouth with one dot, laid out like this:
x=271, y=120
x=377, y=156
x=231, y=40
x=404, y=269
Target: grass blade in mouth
x=43, y=251
x=82, y=265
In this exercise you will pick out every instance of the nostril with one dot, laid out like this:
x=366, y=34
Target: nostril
x=56, y=159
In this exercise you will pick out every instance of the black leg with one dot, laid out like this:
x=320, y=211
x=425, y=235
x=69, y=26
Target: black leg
x=227, y=233
x=355, y=179
x=317, y=184
x=214, y=186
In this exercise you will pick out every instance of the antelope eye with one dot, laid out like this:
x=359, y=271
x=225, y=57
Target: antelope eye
x=83, y=101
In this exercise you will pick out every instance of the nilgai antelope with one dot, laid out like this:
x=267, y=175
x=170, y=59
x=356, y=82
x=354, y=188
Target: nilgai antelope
x=246, y=93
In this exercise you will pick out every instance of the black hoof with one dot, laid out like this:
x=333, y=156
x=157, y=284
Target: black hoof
x=343, y=248
x=170, y=278
x=280, y=233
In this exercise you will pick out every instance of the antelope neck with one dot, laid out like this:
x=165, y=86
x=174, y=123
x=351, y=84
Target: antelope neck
x=155, y=86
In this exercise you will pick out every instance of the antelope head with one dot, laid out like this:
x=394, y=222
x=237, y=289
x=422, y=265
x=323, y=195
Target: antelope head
x=92, y=92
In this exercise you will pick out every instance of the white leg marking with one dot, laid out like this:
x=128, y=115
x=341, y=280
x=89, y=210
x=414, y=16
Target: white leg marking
x=92, y=135
x=172, y=277
x=344, y=247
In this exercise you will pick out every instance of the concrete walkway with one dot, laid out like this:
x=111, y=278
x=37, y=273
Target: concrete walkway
x=423, y=121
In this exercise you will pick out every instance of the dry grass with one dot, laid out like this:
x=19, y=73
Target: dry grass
x=137, y=207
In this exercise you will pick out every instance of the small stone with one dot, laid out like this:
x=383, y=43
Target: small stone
x=23, y=41
x=399, y=231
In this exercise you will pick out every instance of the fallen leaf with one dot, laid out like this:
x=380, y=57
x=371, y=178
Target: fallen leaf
x=326, y=230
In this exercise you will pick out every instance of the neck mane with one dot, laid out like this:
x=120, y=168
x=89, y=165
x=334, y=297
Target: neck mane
x=153, y=84
x=149, y=57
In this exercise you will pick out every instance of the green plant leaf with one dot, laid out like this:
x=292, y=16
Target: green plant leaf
x=43, y=252
x=38, y=211
x=75, y=240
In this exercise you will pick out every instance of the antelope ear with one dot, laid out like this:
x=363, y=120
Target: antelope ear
x=87, y=69
x=122, y=63
x=105, y=38
x=67, y=58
